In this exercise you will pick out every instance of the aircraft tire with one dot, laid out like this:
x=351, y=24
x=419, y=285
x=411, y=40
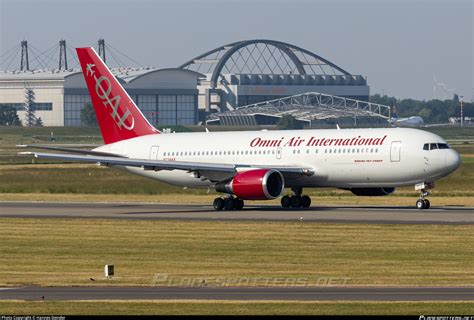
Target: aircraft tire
x=218, y=204
x=305, y=201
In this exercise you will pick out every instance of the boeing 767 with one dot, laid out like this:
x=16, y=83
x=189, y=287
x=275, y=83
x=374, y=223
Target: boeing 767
x=258, y=165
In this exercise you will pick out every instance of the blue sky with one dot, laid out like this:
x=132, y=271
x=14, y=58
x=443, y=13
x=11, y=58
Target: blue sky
x=398, y=45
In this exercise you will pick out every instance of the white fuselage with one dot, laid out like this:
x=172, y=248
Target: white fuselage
x=346, y=158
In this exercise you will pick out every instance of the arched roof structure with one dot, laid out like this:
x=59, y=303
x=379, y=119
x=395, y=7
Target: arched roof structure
x=261, y=56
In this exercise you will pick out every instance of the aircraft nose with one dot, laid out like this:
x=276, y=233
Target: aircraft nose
x=453, y=160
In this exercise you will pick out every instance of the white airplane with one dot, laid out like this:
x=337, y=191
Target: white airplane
x=257, y=165
x=414, y=121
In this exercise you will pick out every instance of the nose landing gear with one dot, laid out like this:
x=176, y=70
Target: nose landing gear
x=423, y=203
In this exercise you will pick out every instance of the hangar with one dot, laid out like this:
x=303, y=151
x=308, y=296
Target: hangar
x=165, y=96
x=220, y=80
x=252, y=71
x=312, y=110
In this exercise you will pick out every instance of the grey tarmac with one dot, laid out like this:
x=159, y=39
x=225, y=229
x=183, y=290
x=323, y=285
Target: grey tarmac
x=241, y=293
x=158, y=211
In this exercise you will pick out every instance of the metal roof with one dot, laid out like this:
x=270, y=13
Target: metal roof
x=310, y=106
x=126, y=74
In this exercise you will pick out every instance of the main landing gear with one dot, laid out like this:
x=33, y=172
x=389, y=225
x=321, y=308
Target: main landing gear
x=296, y=200
x=228, y=203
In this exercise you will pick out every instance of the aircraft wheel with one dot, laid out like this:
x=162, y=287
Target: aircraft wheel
x=427, y=203
x=229, y=204
x=218, y=203
x=420, y=204
x=239, y=204
x=296, y=201
x=305, y=201
x=286, y=201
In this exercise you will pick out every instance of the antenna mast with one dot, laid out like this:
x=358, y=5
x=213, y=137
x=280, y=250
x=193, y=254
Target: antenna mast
x=101, y=43
x=25, y=64
x=62, y=55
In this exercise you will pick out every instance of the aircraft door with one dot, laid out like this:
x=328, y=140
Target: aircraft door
x=154, y=152
x=278, y=153
x=395, y=151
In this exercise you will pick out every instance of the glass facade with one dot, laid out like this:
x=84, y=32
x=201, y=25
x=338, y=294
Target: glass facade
x=38, y=106
x=73, y=103
x=158, y=109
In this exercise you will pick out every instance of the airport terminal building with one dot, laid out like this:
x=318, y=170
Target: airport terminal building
x=220, y=80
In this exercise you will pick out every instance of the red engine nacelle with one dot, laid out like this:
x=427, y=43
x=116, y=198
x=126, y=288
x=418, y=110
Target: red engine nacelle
x=258, y=184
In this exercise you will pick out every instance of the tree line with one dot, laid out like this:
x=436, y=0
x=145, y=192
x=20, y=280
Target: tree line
x=432, y=111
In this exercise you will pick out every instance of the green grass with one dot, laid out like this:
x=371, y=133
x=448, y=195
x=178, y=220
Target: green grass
x=234, y=308
x=91, y=179
x=452, y=133
x=69, y=251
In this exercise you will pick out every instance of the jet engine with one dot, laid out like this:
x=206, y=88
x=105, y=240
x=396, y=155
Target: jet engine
x=372, y=192
x=258, y=184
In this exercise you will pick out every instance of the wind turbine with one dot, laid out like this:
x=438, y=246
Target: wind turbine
x=435, y=88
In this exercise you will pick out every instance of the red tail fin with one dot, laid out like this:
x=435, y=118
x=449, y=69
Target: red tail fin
x=118, y=116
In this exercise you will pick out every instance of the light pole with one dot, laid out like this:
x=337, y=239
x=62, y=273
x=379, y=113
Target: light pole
x=462, y=116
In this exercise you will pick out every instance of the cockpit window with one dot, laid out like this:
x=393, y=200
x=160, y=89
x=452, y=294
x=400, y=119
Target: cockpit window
x=434, y=146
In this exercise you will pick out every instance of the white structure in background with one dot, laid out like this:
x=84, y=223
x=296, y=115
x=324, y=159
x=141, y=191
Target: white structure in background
x=444, y=89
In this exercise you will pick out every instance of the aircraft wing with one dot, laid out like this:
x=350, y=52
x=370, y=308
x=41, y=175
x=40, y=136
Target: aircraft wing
x=71, y=150
x=212, y=171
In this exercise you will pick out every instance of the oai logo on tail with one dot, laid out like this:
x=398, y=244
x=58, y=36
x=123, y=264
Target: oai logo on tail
x=103, y=90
